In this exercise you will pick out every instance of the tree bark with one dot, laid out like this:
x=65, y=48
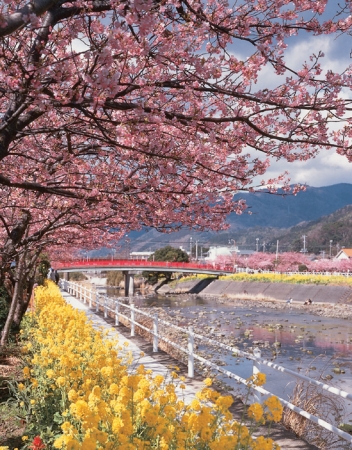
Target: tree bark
x=13, y=240
x=23, y=302
x=17, y=290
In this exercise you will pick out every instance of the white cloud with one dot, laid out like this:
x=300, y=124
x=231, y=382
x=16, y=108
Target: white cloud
x=324, y=170
x=327, y=167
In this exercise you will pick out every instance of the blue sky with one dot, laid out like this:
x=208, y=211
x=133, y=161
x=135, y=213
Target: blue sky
x=328, y=167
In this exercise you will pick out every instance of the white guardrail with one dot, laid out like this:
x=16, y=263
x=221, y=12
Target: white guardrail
x=117, y=308
x=315, y=273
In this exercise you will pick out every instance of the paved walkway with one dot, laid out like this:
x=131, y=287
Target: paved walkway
x=162, y=363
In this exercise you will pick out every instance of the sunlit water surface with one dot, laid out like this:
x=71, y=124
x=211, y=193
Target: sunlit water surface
x=296, y=339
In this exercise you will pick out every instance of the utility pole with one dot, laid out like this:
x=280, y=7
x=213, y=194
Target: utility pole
x=190, y=248
x=330, y=247
x=257, y=244
x=196, y=250
x=277, y=250
x=263, y=246
x=304, y=243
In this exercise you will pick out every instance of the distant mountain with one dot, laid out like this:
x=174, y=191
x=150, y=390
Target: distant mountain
x=284, y=211
x=329, y=233
x=270, y=215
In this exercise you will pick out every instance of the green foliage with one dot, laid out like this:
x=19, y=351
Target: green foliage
x=152, y=277
x=77, y=276
x=302, y=268
x=339, y=231
x=167, y=253
x=114, y=277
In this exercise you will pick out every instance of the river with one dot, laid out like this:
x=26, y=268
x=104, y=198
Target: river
x=319, y=347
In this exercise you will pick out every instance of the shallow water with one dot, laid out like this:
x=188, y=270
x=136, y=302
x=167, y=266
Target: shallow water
x=295, y=339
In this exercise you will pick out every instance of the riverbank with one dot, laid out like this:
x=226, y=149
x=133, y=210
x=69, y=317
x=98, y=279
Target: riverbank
x=333, y=309
x=327, y=301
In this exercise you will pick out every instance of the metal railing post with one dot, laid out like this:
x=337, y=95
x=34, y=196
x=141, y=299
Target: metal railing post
x=256, y=364
x=256, y=396
x=117, y=307
x=85, y=296
x=96, y=302
x=155, y=331
x=132, y=319
x=105, y=308
x=90, y=298
x=190, y=352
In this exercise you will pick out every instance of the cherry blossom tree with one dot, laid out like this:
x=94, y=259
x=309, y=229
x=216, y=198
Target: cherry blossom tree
x=119, y=114
x=33, y=223
x=148, y=106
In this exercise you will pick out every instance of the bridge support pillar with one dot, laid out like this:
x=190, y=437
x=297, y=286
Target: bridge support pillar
x=129, y=283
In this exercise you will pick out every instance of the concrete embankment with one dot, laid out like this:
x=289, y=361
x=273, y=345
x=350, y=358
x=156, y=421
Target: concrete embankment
x=263, y=291
x=185, y=287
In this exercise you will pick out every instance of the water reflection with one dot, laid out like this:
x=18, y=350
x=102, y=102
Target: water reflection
x=293, y=338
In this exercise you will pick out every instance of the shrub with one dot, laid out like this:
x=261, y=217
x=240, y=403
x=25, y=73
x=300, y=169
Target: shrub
x=77, y=276
x=114, y=277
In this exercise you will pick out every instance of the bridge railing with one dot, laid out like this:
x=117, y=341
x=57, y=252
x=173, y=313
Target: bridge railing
x=91, y=263
x=119, y=308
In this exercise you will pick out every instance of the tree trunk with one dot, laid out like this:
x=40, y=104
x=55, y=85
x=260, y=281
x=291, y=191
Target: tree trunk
x=17, y=291
x=23, y=303
x=10, y=247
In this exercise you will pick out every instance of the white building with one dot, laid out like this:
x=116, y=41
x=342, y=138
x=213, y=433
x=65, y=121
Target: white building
x=140, y=255
x=345, y=253
x=216, y=252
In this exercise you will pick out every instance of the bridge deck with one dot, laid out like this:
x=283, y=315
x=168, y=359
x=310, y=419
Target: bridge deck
x=130, y=264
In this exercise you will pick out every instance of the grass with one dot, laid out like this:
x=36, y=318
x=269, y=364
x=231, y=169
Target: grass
x=11, y=426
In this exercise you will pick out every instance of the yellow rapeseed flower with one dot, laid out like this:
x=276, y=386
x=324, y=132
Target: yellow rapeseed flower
x=72, y=395
x=60, y=381
x=255, y=411
x=208, y=382
x=260, y=379
x=50, y=373
x=262, y=443
x=274, y=407
x=107, y=404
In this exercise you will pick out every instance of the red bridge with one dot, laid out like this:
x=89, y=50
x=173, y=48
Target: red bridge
x=133, y=265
